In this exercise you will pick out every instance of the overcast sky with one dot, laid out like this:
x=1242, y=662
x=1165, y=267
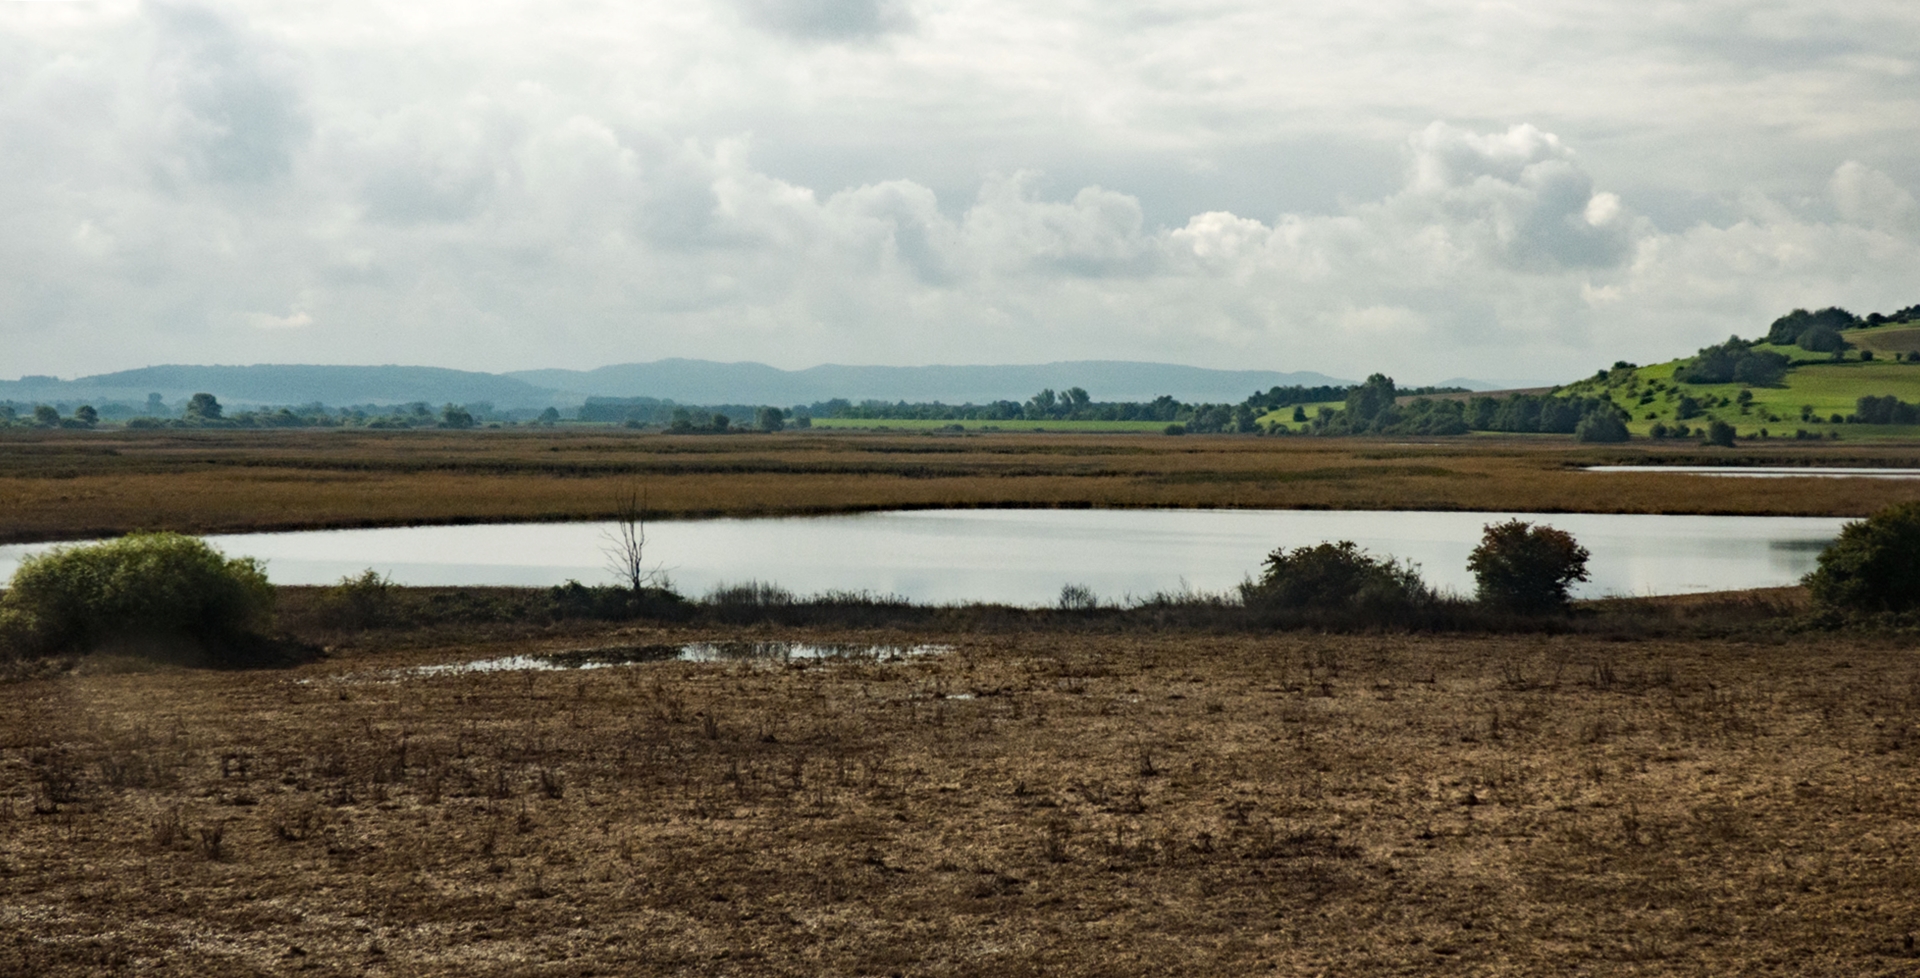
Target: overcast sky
x=1430, y=189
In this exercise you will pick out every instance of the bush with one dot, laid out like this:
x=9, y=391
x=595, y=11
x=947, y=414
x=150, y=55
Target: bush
x=1336, y=576
x=1874, y=566
x=1526, y=568
x=150, y=591
x=363, y=601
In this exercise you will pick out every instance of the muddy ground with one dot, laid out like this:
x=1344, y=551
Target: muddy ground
x=1056, y=804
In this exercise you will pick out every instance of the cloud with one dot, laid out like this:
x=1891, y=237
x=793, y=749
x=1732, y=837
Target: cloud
x=227, y=106
x=835, y=20
x=496, y=186
x=1868, y=197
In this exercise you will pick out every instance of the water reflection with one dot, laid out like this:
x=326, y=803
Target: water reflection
x=627, y=655
x=1023, y=557
x=1764, y=471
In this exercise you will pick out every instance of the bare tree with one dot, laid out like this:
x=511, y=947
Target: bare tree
x=626, y=546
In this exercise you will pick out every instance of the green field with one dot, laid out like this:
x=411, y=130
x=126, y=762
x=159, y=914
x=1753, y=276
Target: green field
x=913, y=424
x=1816, y=385
x=1283, y=417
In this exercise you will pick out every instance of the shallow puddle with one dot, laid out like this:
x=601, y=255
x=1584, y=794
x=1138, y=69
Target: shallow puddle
x=627, y=655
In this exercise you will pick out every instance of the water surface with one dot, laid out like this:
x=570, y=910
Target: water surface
x=1023, y=557
x=1765, y=471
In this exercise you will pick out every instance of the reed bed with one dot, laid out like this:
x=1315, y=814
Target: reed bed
x=1023, y=804
x=71, y=485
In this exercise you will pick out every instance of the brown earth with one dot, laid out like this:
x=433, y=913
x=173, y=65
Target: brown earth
x=1026, y=803
x=80, y=484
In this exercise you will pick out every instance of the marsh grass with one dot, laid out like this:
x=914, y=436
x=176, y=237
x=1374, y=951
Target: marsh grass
x=56, y=486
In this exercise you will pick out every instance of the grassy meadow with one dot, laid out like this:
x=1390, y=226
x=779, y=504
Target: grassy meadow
x=79, y=484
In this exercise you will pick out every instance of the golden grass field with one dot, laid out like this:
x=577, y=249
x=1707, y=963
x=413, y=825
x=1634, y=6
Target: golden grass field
x=1029, y=803
x=71, y=485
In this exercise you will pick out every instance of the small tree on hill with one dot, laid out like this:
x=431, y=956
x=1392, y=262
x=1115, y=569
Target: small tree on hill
x=1720, y=433
x=1525, y=567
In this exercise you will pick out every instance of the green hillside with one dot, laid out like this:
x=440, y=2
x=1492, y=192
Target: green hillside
x=1816, y=388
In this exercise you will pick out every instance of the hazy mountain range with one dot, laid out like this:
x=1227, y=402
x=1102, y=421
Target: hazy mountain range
x=683, y=381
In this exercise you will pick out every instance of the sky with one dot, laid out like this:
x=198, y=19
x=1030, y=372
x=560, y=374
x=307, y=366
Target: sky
x=1523, y=191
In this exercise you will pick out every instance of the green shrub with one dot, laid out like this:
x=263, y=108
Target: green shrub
x=1874, y=566
x=153, y=590
x=1526, y=568
x=365, y=600
x=1336, y=576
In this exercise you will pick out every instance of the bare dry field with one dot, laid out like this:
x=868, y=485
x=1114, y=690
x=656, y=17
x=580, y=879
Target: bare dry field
x=1024, y=804
x=79, y=484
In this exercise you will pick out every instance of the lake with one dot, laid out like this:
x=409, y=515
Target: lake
x=1023, y=557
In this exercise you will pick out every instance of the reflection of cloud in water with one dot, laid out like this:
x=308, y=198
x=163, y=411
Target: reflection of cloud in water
x=1022, y=557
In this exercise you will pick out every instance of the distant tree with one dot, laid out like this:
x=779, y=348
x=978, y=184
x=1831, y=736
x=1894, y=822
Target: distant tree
x=769, y=419
x=1687, y=408
x=156, y=406
x=681, y=420
x=1720, y=433
x=1299, y=413
x=1525, y=567
x=455, y=416
x=1874, y=566
x=86, y=415
x=1601, y=425
x=46, y=415
x=721, y=422
x=1368, y=401
x=7, y=413
x=549, y=416
x=1041, y=405
x=203, y=407
x=1817, y=331
x=1078, y=398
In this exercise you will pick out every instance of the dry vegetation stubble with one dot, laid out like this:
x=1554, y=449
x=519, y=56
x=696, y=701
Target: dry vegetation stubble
x=1040, y=804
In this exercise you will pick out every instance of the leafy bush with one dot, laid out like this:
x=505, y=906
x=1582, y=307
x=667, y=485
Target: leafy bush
x=152, y=590
x=1874, y=566
x=1336, y=575
x=1527, y=568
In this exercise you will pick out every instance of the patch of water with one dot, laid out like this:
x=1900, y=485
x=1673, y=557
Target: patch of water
x=627, y=655
x=1024, y=557
x=1764, y=471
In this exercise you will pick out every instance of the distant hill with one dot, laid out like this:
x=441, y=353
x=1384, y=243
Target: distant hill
x=286, y=384
x=704, y=381
x=684, y=381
